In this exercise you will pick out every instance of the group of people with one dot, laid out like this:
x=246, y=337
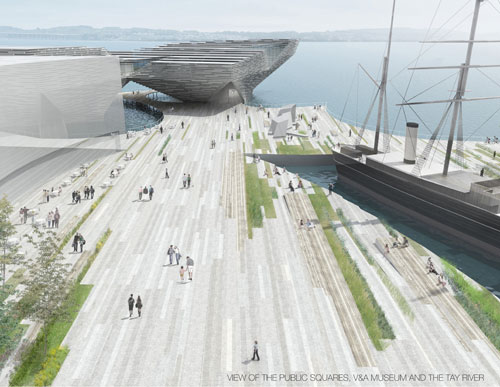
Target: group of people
x=46, y=195
x=299, y=185
x=173, y=252
x=53, y=218
x=88, y=192
x=212, y=144
x=490, y=141
x=164, y=158
x=256, y=158
x=331, y=186
x=137, y=303
x=114, y=173
x=186, y=181
x=308, y=224
x=76, y=197
x=78, y=241
x=146, y=191
x=431, y=269
x=23, y=215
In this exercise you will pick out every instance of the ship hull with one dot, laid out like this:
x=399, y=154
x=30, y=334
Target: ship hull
x=408, y=194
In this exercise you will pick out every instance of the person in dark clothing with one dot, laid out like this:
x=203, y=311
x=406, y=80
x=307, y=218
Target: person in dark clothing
x=131, y=302
x=82, y=242
x=166, y=174
x=151, y=190
x=256, y=351
x=138, y=305
x=182, y=124
x=290, y=185
x=76, y=239
x=92, y=191
x=482, y=172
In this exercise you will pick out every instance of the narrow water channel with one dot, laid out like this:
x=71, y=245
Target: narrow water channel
x=471, y=262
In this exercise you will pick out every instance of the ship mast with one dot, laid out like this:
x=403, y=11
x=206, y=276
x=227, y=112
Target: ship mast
x=382, y=97
x=462, y=82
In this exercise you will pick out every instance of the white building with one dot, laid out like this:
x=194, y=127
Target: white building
x=60, y=96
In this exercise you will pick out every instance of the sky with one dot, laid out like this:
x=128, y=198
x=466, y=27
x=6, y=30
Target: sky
x=244, y=15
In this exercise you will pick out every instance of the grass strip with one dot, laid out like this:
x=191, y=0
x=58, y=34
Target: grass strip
x=238, y=135
x=36, y=368
x=260, y=144
x=336, y=123
x=145, y=144
x=258, y=194
x=249, y=122
x=160, y=152
x=126, y=150
x=227, y=134
x=418, y=247
x=480, y=304
x=185, y=131
x=395, y=293
x=305, y=148
x=373, y=316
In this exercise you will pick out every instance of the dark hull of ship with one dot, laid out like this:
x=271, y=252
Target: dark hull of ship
x=423, y=202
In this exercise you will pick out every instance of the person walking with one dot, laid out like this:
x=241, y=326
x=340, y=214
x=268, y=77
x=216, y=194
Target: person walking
x=82, y=242
x=25, y=214
x=76, y=238
x=131, y=302
x=166, y=174
x=190, y=267
x=50, y=218
x=57, y=217
x=184, y=181
x=177, y=254
x=92, y=191
x=140, y=194
x=138, y=305
x=181, y=273
x=189, y=180
x=256, y=351
x=151, y=191
x=170, y=253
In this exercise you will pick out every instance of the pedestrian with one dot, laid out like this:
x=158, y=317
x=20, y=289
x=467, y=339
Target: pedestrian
x=25, y=214
x=50, y=218
x=82, y=242
x=190, y=267
x=189, y=181
x=256, y=351
x=151, y=191
x=73, y=196
x=131, y=302
x=290, y=185
x=228, y=117
x=482, y=172
x=21, y=215
x=161, y=129
x=138, y=305
x=494, y=154
x=75, y=242
x=170, y=253
x=184, y=181
x=57, y=216
x=92, y=191
x=177, y=254
x=166, y=174
x=232, y=138
x=182, y=124
x=140, y=193
x=181, y=273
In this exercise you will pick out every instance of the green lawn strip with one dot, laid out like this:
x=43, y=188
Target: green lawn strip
x=353, y=128
x=160, y=152
x=15, y=333
x=37, y=369
x=305, y=148
x=395, y=293
x=397, y=139
x=83, y=219
x=227, y=134
x=480, y=304
x=268, y=169
x=258, y=193
x=326, y=148
x=238, y=135
x=249, y=122
x=305, y=119
x=185, y=132
x=485, y=149
x=491, y=170
x=145, y=144
x=373, y=317
x=126, y=150
x=11, y=284
x=418, y=248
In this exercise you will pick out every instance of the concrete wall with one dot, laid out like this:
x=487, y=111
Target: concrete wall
x=61, y=97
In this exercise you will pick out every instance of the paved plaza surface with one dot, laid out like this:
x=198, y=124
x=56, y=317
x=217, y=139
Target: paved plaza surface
x=283, y=287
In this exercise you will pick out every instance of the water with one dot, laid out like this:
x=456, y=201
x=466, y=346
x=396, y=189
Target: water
x=136, y=119
x=323, y=73
x=471, y=262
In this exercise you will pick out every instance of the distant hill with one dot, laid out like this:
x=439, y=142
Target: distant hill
x=145, y=34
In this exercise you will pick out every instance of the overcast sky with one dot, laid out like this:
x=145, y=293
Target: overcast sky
x=242, y=15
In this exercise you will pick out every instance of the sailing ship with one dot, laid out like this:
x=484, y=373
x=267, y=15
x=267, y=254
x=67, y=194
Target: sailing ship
x=454, y=201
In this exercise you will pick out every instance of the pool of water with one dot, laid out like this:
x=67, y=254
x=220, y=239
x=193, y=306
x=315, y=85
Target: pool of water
x=136, y=119
x=466, y=259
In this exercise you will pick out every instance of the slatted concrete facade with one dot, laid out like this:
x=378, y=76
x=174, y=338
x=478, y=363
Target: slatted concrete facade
x=60, y=96
x=206, y=71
